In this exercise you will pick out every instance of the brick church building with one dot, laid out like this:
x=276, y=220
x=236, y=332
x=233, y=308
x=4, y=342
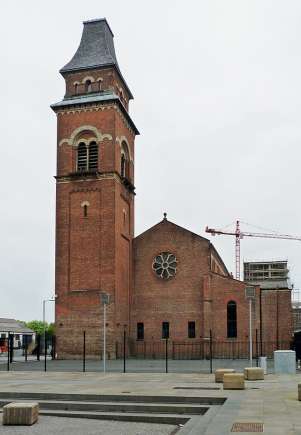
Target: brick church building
x=165, y=283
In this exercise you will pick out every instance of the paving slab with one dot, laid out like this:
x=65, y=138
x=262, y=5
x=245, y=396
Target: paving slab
x=272, y=402
x=78, y=426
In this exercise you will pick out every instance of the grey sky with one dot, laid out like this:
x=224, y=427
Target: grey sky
x=217, y=101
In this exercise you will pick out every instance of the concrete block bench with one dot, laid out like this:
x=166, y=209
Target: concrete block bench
x=24, y=414
x=234, y=381
x=253, y=373
x=219, y=374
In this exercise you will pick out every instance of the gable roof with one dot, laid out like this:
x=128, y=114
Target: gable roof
x=165, y=221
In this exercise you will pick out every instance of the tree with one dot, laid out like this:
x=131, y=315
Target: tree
x=38, y=327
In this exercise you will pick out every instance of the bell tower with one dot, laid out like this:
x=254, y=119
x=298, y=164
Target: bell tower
x=94, y=196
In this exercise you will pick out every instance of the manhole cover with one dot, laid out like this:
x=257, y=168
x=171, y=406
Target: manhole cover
x=247, y=427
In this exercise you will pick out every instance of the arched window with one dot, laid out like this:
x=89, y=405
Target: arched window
x=124, y=162
x=76, y=88
x=231, y=319
x=85, y=206
x=122, y=165
x=82, y=157
x=93, y=156
x=88, y=86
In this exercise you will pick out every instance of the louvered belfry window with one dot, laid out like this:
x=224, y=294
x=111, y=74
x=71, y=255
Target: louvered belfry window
x=82, y=157
x=87, y=157
x=93, y=156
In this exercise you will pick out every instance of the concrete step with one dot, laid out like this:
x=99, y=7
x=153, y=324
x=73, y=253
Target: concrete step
x=119, y=407
x=116, y=416
x=113, y=398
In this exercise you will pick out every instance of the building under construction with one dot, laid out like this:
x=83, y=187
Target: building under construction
x=267, y=274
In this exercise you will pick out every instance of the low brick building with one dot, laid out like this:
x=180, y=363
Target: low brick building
x=166, y=283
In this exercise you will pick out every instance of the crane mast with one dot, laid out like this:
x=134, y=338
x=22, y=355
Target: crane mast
x=241, y=234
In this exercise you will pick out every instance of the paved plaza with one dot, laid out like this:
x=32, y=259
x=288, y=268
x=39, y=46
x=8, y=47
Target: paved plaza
x=131, y=365
x=79, y=426
x=272, y=402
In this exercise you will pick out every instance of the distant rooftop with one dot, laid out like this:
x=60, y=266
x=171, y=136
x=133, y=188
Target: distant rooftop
x=12, y=325
x=264, y=261
x=272, y=284
x=96, y=49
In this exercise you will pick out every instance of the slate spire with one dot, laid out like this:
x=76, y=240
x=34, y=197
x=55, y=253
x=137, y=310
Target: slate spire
x=96, y=49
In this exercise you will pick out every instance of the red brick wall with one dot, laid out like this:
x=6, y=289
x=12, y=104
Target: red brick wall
x=194, y=294
x=277, y=321
x=178, y=299
x=224, y=290
x=110, y=81
x=93, y=253
x=97, y=253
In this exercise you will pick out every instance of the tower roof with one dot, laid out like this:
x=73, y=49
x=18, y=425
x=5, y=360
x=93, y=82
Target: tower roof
x=96, y=49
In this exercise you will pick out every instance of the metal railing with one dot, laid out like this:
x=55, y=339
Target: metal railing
x=127, y=350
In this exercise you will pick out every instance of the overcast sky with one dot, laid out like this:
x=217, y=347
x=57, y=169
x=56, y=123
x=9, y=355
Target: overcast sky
x=217, y=88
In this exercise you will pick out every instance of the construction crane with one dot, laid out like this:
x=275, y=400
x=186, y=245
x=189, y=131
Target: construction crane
x=241, y=234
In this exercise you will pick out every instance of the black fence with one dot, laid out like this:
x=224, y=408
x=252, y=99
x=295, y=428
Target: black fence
x=198, y=350
x=41, y=348
x=127, y=350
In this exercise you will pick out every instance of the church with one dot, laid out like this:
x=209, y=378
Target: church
x=166, y=283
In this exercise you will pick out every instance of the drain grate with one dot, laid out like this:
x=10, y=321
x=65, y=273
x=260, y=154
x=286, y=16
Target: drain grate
x=247, y=427
x=196, y=388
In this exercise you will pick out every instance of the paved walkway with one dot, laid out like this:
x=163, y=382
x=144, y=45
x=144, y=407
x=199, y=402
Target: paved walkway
x=79, y=426
x=132, y=365
x=272, y=401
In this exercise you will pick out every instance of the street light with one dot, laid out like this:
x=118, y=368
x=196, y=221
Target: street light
x=105, y=300
x=52, y=299
x=250, y=295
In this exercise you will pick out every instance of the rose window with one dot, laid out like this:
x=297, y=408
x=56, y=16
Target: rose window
x=165, y=265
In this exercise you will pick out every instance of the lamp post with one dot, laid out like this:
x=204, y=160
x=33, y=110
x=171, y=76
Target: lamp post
x=250, y=295
x=124, y=347
x=105, y=300
x=52, y=299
